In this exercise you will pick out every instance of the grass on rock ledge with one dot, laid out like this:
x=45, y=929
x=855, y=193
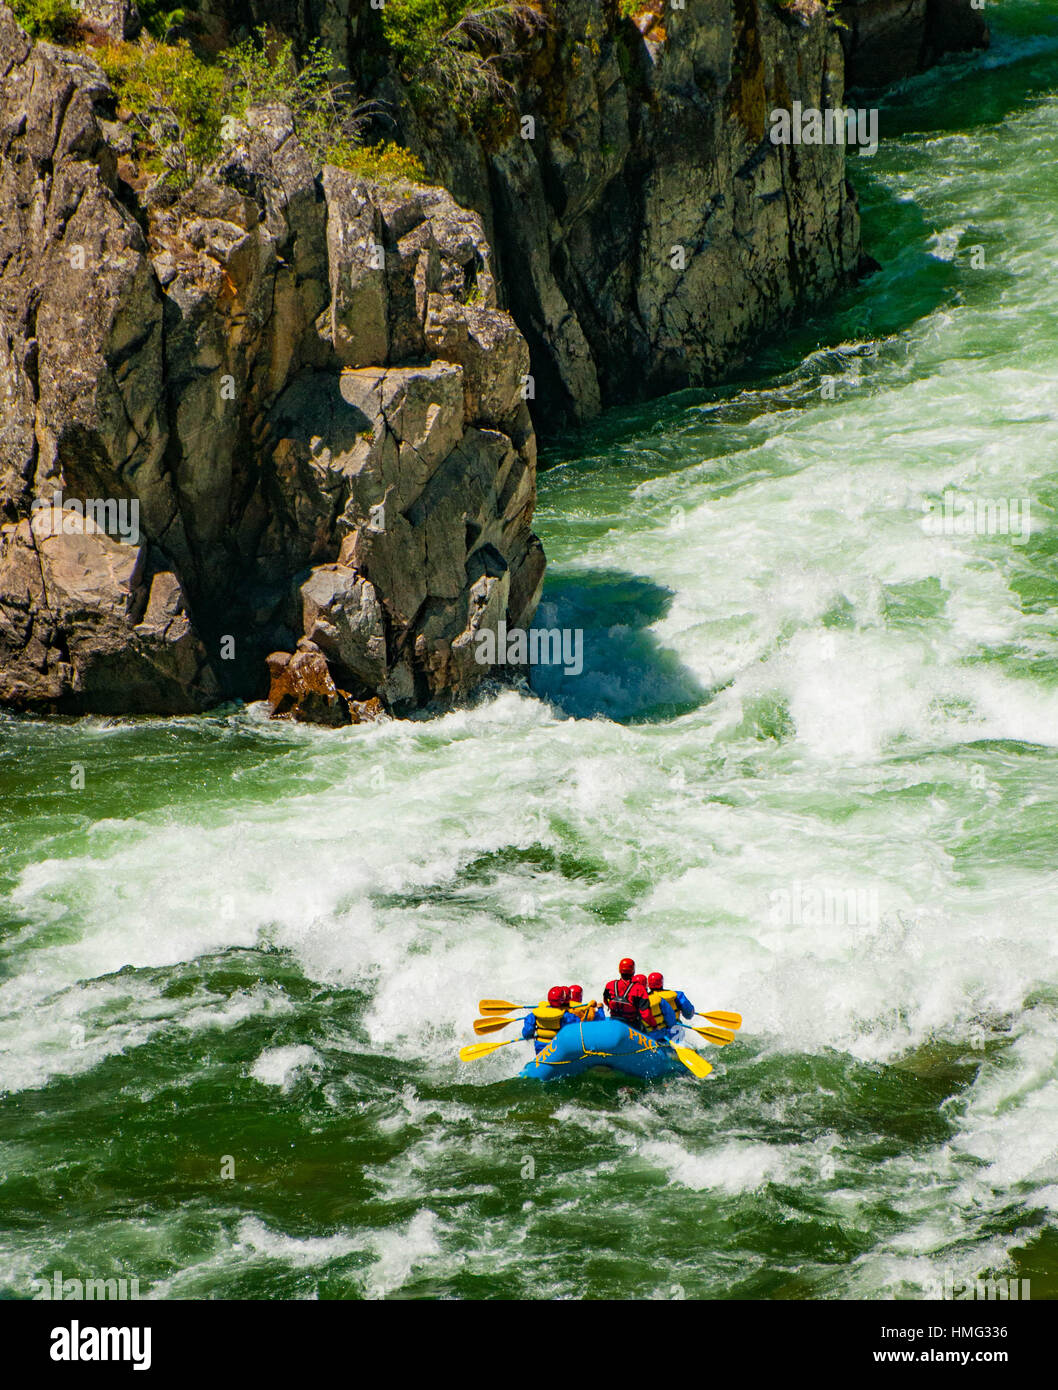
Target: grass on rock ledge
x=182, y=106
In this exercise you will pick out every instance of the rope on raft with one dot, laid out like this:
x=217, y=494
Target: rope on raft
x=586, y=1051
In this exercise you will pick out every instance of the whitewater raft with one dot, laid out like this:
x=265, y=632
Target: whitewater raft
x=608, y=1045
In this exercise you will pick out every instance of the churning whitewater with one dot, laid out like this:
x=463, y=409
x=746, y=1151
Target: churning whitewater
x=808, y=770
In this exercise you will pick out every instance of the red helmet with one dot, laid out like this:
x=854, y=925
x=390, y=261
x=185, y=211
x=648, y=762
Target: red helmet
x=626, y=967
x=656, y=980
x=558, y=995
x=640, y=980
x=576, y=993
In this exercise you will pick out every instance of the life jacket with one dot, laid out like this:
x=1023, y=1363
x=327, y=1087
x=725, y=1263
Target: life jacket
x=621, y=1007
x=656, y=996
x=548, y=1020
x=583, y=1011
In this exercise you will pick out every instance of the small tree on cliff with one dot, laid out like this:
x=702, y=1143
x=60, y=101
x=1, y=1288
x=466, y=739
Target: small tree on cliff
x=326, y=115
x=455, y=51
x=177, y=102
x=54, y=20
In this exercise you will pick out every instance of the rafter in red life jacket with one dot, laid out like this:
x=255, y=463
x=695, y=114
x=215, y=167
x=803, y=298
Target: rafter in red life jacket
x=628, y=1001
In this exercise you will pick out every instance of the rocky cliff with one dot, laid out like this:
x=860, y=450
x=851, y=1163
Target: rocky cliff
x=304, y=387
x=646, y=230
x=649, y=231
x=312, y=393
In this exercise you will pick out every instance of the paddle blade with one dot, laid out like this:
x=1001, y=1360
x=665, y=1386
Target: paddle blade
x=692, y=1061
x=473, y=1051
x=498, y=1006
x=493, y=1025
x=723, y=1018
x=716, y=1035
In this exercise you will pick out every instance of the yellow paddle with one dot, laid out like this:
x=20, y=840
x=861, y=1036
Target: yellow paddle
x=713, y=1035
x=691, y=1060
x=499, y=1006
x=473, y=1051
x=493, y=1025
x=725, y=1019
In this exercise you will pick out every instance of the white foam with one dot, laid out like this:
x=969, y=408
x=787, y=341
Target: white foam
x=284, y=1066
x=399, y=1251
x=727, y=1167
x=254, y=1240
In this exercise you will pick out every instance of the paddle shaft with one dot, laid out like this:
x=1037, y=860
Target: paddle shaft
x=476, y=1050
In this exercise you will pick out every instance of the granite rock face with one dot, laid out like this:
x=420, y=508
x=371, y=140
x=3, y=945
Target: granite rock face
x=118, y=19
x=303, y=688
x=300, y=388
x=647, y=230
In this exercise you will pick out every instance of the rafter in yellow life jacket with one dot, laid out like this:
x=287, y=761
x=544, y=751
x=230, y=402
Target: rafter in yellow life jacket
x=548, y=1020
x=656, y=996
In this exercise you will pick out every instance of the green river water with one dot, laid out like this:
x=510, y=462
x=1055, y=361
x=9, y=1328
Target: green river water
x=236, y=967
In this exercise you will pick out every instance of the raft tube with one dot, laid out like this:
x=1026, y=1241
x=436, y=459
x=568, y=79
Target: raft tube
x=609, y=1044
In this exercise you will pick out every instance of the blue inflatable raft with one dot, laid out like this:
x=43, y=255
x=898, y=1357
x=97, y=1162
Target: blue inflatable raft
x=608, y=1045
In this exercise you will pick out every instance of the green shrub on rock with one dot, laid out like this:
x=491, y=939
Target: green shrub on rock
x=53, y=20
x=455, y=50
x=382, y=163
x=265, y=68
x=158, y=20
x=176, y=100
x=180, y=104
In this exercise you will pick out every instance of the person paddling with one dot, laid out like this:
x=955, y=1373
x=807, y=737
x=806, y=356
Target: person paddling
x=543, y=1022
x=664, y=1004
x=627, y=999
x=587, y=1013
